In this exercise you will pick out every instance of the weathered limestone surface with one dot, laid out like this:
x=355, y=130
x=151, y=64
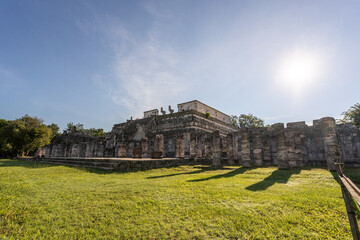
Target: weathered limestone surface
x=180, y=146
x=230, y=148
x=216, y=161
x=331, y=143
x=245, y=148
x=349, y=138
x=160, y=143
x=257, y=147
x=192, y=136
x=282, y=148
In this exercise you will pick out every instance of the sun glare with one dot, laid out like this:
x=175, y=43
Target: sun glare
x=299, y=70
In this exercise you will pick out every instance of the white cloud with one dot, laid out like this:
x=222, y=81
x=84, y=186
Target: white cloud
x=145, y=70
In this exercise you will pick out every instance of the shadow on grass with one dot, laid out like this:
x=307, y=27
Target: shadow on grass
x=277, y=176
x=233, y=173
x=201, y=169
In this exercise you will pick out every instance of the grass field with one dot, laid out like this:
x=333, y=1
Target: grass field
x=46, y=201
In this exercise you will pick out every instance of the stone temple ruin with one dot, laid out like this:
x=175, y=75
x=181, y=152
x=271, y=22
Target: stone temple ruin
x=198, y=133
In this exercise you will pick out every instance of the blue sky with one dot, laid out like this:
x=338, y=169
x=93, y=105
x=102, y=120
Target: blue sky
x=100, y=62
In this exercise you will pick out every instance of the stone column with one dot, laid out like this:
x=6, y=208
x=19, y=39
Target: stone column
x=236, y=149
x=144, y=147
x=75, y=150
x=331, y=143
x=199, y=147
x=216, y=161
x=180, y=146
x=207, y=147
x=130, y=149
x=290, y=145
x=160, y=144
x=279, y=136
x=257, y=147
x=245, y=148
x=192, y=149
x=187, y=145
x=121, y=150
x=89, y=152
x=230, y=148
x=266, y=147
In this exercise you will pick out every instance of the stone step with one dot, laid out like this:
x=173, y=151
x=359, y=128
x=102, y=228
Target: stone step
x=108, y=160
x=79, y=165
x=84, y=162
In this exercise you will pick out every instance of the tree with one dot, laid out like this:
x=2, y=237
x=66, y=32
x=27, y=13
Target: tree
x=246, y=121
x=23, y=136
x=352, y=115
x=73, y=128
x=5, y=146
x=54, y=129
x=28, y=134
x=99, y=132
x=79, y=128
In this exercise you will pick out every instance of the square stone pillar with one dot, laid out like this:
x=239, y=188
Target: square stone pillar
x=187, y=145
x=266, y=140
x=331, y=142
x=279, y=136
x=121, y=150
x=257, y=146
x=245, y=147
x=130, y=149
x=89, y=149
x=180, y=146
x=230, y=148
x=192, y=149
x=208, y=147
x=199, y=147
x=75, y=149
x=144, y=147
x=216, y=160
x=160, y=144
x=290, y=146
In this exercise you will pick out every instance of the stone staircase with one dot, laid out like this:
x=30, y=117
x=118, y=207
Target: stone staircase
x=100, y=163
x=119, y=164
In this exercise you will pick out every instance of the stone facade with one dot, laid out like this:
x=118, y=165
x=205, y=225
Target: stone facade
x=191, y=135
x=203, y=108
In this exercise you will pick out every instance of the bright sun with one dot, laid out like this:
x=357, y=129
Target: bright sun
x=299, y=70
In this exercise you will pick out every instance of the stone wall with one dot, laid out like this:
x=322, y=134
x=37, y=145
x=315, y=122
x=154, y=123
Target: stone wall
x=190, y=136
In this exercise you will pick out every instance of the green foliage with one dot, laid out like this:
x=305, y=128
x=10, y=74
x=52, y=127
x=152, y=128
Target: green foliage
x=73, y=128
x=352, y=116
x=246, y=121
x=99, y=132
x=55, y=130
x=23, y=136
x=208, y=114
x=43, y=201
x=79, y=128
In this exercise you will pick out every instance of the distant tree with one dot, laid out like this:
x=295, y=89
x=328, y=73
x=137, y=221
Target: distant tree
x=352, y=116
x=79, y=128
x=71, y=127
x=29, y=133
x=5, y=144
x=246, y=121
x=54, y=129
x=99, y=132
x=23, y=136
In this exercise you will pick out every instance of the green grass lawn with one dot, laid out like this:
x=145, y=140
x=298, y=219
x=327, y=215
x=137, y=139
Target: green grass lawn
x=46, y=201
